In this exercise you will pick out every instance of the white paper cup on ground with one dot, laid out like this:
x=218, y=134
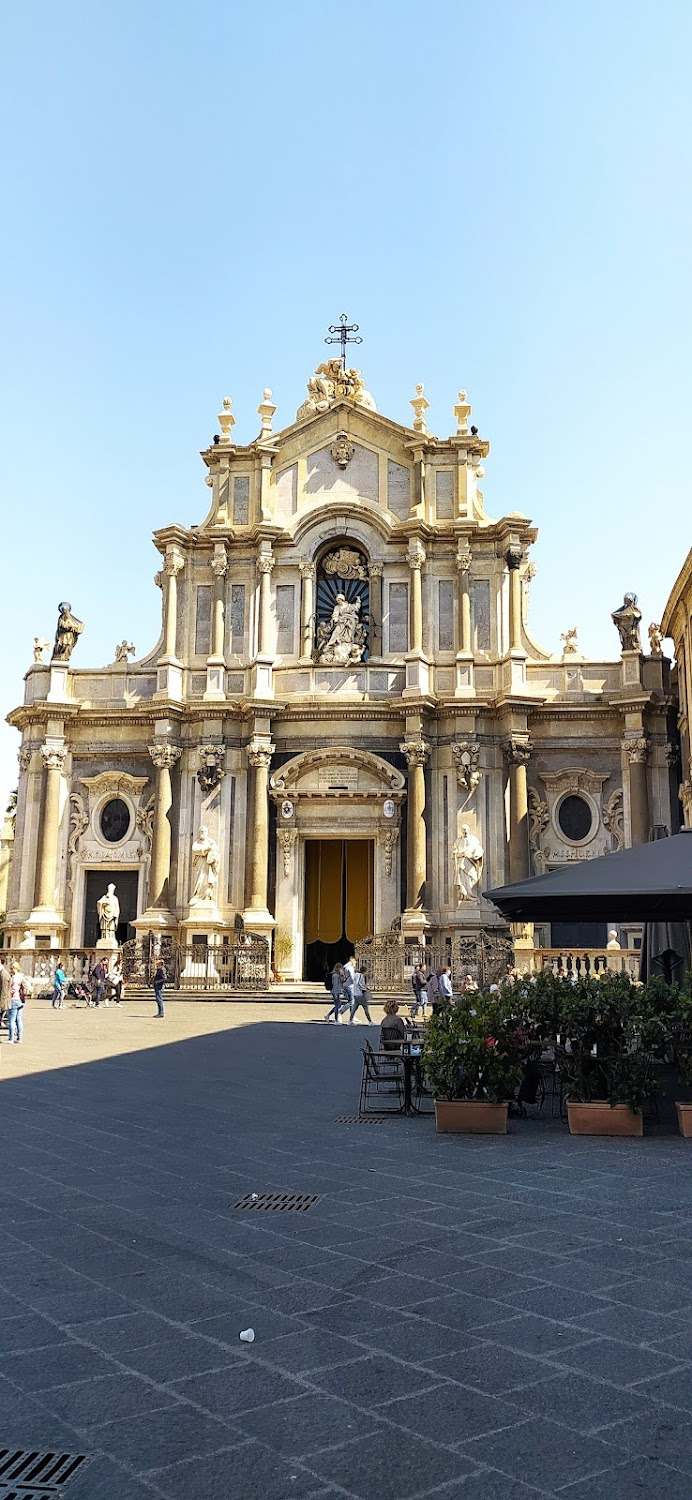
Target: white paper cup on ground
x=247, y=1336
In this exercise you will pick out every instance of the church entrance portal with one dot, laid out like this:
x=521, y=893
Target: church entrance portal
x=339, y=901
x=126, y=883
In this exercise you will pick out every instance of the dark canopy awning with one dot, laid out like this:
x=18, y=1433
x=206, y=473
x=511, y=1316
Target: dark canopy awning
x=634, y=885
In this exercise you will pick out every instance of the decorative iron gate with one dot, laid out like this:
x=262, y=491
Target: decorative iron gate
x=241, y=965
x=388, y=961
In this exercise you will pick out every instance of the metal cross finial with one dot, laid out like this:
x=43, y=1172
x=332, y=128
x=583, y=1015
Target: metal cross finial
x=342, y=330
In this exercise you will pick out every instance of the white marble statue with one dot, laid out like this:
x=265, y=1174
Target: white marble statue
x=341, y=639
x=205, y=867
x=108, y=908
x=468, y=864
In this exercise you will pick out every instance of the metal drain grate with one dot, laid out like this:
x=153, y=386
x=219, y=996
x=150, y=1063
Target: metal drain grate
x=359, y=1120
x=297, y=1203
x=26, y=1474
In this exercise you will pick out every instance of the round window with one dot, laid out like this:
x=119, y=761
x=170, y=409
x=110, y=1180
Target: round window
x=115, y=820
x=575, y=818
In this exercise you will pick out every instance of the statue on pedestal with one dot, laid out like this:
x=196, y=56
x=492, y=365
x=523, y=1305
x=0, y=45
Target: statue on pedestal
x=626, y=621
x=67, y=632
x=468, y=857
x=205, y=868
x=108, y=908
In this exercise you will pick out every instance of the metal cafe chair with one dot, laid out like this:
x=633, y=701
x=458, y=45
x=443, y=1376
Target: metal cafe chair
x=382, y=1080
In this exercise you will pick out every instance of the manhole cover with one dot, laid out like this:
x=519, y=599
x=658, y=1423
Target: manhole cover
x=26, y=1474
x=297, y=1203
x=359, y=1120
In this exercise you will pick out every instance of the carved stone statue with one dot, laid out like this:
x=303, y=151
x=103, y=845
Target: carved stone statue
x=569, y=642
x=108, y=908
x=655, y=639
x=468, y=864
x=341, y=640
x=124, y=650
x=329, y=384
x=205, y=868
x=68, y=630
x=626, y=620
x=39, y=647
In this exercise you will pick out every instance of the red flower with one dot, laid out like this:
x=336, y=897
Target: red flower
x=490, y=1041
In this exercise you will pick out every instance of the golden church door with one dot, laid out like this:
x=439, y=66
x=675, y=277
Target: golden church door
x=339, y=900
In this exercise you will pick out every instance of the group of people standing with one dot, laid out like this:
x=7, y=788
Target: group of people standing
x=349, y=993
x=431, y=987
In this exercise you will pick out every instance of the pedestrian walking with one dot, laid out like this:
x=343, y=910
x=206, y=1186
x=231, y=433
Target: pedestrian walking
x=59, y=986
x=419, y=980
x=116, y=982
x=444, y=979
x=4, y=989
x=18, y=994
x=98, y=983
x=360, y=998
x=348, y=985
x=158, y=982
x=337, y=988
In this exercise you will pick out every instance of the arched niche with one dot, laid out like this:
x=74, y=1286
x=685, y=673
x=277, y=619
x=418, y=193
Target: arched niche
x=342, y=602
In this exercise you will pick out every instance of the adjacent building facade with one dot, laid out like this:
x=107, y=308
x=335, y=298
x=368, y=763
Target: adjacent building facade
x=677, y=625
x=346, y=724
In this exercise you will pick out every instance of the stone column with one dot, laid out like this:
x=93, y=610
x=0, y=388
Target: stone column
x=219, y=564
x=375, y=571
x=513, y=558
x=257, y=916
x=53, y=758
x=463, y=566
x=307, y=607
x=164, y=758
x=174, y=563
x=265, y=566
x=416, y=753
x=636, y=751
x=216, y=663
x=415, y=561
x=518, y=754
x=464, y=666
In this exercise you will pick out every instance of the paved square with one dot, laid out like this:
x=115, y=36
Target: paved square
x=455, y=1319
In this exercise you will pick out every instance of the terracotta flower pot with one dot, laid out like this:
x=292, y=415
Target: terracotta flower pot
x=685, y=1120
x=470, y=1117
x=598, y=1117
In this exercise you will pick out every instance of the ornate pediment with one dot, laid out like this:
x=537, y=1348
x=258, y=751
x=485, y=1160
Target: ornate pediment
x=334, y=772
x=113, y=783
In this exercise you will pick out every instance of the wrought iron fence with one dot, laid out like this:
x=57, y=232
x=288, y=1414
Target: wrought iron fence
x=388, y=961
x=242, y=965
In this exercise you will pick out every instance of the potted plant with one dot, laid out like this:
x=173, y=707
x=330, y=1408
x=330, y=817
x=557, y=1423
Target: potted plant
x=283, y=952
x=472, y=1063
x=608, y=1033
x=681, y=1042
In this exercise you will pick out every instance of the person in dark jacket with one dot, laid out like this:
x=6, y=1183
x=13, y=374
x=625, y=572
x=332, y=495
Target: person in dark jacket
x=158, y=982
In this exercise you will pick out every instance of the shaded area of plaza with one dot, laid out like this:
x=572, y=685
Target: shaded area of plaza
x=469, y=1319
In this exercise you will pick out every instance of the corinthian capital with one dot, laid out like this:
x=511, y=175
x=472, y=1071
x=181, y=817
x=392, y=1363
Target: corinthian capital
x=416, y=752
x=463, y=559
x=219, y=561
x=416, y=557
x=265, y=562
x=165, y=756
x=259, y=754
x=307, y=568
x=636, y=750
x=173, y=563
x=514, y=556
x=517, y=752
x=53, y=757
x=375, y=569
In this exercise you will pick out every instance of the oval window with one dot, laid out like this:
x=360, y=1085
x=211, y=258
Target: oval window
x=575, y=818
x=115, y=821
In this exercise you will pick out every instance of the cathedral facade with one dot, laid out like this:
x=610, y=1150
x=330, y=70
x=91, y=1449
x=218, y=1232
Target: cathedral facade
x=346, y=725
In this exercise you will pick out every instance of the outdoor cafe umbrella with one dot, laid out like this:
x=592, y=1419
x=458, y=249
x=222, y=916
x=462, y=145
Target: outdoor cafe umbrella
x=651, y=882
x=666, y=946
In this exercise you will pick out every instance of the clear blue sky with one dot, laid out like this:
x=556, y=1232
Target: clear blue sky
x=498, y=193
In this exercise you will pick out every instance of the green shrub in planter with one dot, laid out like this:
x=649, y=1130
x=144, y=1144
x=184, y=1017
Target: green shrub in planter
x=609, y=1034
x=471, y=1051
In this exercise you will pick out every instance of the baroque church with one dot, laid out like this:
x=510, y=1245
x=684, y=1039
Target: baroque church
x=346, y=725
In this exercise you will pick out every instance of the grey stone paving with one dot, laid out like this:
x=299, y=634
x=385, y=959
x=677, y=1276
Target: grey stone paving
x=456, y=1319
